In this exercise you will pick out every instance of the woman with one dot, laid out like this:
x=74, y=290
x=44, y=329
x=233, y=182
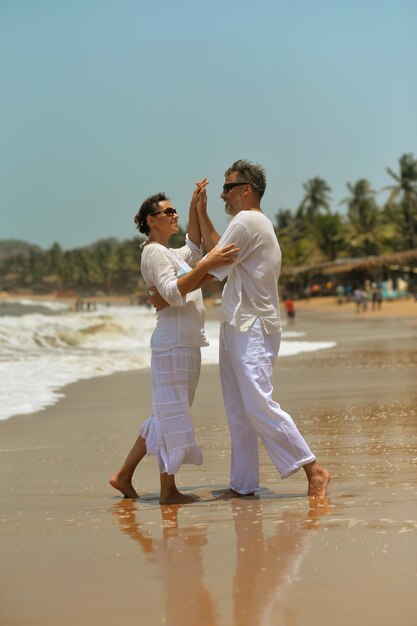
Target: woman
x=175, y=343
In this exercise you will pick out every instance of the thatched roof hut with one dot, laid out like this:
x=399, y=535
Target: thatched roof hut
x=353, y=272
x=405, y=261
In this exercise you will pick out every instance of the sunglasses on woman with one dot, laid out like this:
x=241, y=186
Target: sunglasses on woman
x=168, y=211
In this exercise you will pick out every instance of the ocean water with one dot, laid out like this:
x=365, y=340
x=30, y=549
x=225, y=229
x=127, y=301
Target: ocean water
x=45, y=346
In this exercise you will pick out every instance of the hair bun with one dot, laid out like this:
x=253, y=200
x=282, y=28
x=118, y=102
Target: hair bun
x=140, y=224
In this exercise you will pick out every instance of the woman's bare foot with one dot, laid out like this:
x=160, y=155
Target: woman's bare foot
x=178, y=498
x=318, y=480
x=124, y=485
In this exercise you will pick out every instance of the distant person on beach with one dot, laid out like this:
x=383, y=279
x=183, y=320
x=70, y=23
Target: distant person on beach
x=175, y=363
x=358, y=297
x=376, y=297
x=290, y=309
x=250, y=337
x=340, y=292
x=348, y=293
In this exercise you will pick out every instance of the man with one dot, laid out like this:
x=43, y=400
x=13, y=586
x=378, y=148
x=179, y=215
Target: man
x=250, y=336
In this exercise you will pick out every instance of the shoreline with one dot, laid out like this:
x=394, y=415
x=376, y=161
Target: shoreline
x=310, y=314
x=402, y=307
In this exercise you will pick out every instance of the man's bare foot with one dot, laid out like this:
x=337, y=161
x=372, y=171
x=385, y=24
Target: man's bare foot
x=123, y=485
x=318, y=480
x=178, y=498
x=318, y=508
x=228, y=494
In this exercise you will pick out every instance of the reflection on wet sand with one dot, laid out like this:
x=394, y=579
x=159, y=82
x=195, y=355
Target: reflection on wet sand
x=265, y=566
x=178, y=558
x=266, y=562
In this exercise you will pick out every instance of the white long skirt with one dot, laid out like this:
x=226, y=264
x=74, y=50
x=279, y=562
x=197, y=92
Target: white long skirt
x=169, y=431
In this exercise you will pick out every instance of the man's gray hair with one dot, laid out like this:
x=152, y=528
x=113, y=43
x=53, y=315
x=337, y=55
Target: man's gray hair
x=253, y=173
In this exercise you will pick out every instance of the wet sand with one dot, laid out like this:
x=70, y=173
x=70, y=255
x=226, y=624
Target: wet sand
x=75, y=553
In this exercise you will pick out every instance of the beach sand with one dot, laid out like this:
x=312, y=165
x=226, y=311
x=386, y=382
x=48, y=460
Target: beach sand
x=75, y=553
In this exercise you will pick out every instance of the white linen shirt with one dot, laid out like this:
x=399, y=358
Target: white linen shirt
x=251, y=290
x=181, y=323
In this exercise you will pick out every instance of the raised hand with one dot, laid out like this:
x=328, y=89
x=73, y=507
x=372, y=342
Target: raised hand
x=199, y=187
x=202, y=184
x=202, y=201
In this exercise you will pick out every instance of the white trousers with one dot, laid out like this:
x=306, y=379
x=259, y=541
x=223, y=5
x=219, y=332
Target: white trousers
x=246, y=363
x=169, y=431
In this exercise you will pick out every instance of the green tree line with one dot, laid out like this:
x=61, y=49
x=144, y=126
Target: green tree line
x=109, y=265
x=310, y=233
x=314, y=233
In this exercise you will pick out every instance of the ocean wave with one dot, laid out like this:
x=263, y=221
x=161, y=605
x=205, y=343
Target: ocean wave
x=36, y=332
x=40, y=354
x=28, y=303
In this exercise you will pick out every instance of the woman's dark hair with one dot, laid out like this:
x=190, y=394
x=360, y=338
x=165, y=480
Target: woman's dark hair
x=149, y=206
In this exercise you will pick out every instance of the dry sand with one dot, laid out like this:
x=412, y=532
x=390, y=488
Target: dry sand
x=74, y=553
x=403, y=307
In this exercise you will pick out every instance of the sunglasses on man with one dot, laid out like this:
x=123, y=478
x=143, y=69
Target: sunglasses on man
x=168, y=211
x=229, y=186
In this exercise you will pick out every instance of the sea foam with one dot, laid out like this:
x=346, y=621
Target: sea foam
x=40, y=354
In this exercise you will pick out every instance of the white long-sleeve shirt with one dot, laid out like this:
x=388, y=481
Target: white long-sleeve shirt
x=251, y=290
x=181, y=323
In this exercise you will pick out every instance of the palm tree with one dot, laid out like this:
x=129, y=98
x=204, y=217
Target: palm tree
x=316, y=198
x=364, y=228
x=284, y=220
x=404, y=212
x=294, y=236
x=330, y=235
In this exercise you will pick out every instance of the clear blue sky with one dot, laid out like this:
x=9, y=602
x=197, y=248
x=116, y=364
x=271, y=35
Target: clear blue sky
x=104, y=102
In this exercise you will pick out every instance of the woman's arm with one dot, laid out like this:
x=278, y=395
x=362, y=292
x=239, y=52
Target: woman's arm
x=194, y=232
x=194, y=279
x=217, y=257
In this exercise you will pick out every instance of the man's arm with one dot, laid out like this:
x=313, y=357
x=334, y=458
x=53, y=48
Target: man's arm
x=208, y=232
x=156, y=299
